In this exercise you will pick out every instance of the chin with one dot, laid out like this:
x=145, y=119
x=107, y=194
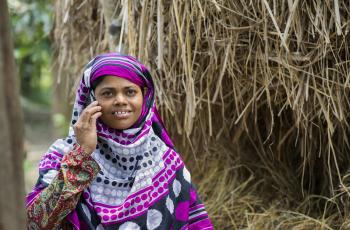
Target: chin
x=120, y=126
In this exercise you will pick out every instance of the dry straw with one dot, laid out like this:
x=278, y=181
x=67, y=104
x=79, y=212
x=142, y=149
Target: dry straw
x=256, y=93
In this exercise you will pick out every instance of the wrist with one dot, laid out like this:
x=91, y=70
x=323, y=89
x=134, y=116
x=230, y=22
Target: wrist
x=85, y=149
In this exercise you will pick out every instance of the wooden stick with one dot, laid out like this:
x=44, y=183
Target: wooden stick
x=337, y=17
x=160, y=33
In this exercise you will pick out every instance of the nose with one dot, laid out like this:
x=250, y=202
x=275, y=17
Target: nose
x=120, y=99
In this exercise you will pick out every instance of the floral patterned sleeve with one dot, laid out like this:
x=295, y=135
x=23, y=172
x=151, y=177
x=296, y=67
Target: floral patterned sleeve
x=49, y=208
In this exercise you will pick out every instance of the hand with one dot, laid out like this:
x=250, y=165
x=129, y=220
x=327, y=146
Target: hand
x=85, y=127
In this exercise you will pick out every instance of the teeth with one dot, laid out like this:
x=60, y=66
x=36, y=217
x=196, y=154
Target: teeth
x=118, y=113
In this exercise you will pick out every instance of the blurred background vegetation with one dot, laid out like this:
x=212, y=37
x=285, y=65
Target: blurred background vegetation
x=31, y=23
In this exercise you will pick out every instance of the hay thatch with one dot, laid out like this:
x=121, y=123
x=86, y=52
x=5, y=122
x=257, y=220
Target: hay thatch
x=255, y=91
x=78, y=36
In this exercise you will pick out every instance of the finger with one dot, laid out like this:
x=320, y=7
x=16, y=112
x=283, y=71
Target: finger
x=94, y=103
x=88, y=112
x=94, y=117
x=91, y=105
x=84, y=117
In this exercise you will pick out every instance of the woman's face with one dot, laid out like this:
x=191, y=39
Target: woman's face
x=121, y=102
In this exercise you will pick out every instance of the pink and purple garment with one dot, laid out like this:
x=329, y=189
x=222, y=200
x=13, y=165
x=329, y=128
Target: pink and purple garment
x=134, y=179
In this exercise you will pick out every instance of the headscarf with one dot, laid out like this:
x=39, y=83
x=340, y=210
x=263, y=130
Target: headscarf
x=143, y=181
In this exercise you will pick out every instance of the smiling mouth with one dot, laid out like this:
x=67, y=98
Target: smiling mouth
x=121, y=114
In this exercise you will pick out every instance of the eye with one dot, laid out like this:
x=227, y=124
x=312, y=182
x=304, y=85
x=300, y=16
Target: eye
x=107, y=93
x=131, y=92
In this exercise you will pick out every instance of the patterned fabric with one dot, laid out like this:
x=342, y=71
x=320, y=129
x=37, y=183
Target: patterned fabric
x=62, y=195
x=134, y=179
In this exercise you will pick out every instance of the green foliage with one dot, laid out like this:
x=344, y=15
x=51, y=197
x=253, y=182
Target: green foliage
x=31, y=23
x=60, y=123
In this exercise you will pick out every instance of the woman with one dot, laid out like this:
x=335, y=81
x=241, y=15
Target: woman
x=118, y=168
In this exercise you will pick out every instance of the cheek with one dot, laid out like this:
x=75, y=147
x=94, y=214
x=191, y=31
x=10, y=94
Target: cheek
x=105, y=105
x=138, y=104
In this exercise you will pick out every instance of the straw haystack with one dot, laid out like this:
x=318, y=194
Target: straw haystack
x=255, y=92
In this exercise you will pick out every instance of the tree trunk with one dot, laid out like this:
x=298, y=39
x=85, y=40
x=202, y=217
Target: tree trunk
x=11, y=133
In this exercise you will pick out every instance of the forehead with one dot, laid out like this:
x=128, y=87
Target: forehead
x=115, y=82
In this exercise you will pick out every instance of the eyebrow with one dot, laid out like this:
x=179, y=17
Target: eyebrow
x=112, y=88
